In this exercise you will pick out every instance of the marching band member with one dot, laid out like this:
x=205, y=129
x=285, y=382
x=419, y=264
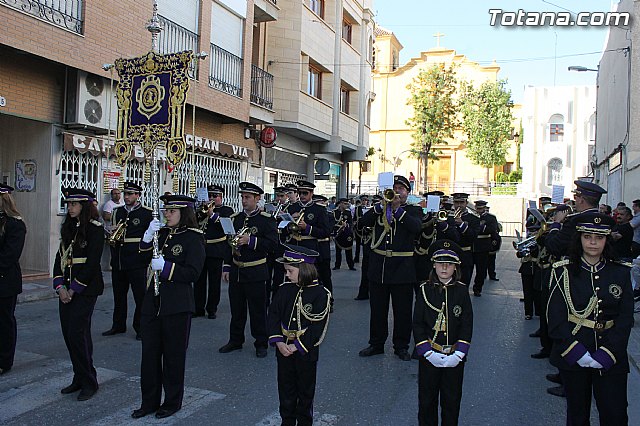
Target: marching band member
x=468, y=225
x=298, y=320
x=128, y=264
x=365, y=235
x=496, y=243
x=487, y=226
x=357, y=237
x=392, y=273
x=77, y=279
x=12, y=236
x=280, y=205
x=246, y=270
x=324, y=244
x=343, y=234
x=208, y=295
x=528, y=268
x=590, y=315
x=167, y=308
x=442, y=328
x=292, y=194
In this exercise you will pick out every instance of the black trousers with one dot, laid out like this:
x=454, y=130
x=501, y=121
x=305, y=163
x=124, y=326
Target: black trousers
x=165, y=340
x=527, y=290
x=467, y=267
x=348, y=254
x=356, y=253
x=8, y=331
x=442, y=385
x=206, y=290
x=75, y=321
x=545, y=340
x=278, y=277
x=402, y=302
x=363, y=290
x=121, y=280
x=480, y=261
x=251, y=295
x=609, y=391
x=296, y=388
x=324, y=274
x=491, y=265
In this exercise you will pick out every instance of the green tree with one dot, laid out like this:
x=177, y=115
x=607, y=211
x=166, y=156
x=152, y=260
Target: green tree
x=487, y=120
x=434, y=112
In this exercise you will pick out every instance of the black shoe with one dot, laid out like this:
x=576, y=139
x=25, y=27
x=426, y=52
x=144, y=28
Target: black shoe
x=356, y=261
x=370, y=351
x=138, y=336
x=522, y=299
x=557, y=391
x=554, y=378
x=141, y=412
x=352, y=269
x=527, y=317
x=165, y=412
x=477, y=294
x=113, y=331
x=494, y=279
x=4, y=370
x=414, y=354
x=212, y=315
x=361, y=298
x=229, y=347
x=73, y=387
x=540, y=355
x=335, y=269
x=198, y=314
x=535, y=333
x=261, y=352
x=86, y=394
x=403, y=354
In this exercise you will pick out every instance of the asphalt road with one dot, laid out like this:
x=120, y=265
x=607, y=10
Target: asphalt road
x=502, y=386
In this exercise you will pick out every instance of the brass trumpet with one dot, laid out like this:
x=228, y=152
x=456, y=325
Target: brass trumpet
x=117, y=234
x=294, y=227
x=233, y=241
x=388, y=195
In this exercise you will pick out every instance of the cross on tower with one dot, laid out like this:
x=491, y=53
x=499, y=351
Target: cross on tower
x=438, y=35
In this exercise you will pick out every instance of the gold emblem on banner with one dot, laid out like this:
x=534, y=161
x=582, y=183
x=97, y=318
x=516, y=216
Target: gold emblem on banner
x=150, y=96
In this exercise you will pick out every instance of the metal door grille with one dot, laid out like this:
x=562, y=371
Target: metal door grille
x=135, y=173
x=78, y=171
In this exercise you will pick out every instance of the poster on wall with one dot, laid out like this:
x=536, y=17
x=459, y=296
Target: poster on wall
x=26, y=175
x=111, y=180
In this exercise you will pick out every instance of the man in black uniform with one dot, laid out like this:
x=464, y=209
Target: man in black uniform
x=246, y=270
x=496, y=243
x=365, y=232
x=468, y=225
x=314, y=226
x=276, y=269
x=208, y=296
x=392, y=273
x=324, y=244
x=292, y=194
x=343, y=234
x=482, y=245
x=357, y=236
x=129, y=265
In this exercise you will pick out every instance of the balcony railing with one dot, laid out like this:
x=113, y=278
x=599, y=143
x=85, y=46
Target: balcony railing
x=176, y=38
x=261, y=87
x=225, y=73
x=62, y=13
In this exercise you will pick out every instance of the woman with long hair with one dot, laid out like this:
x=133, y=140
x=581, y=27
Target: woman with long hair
x=442, y=329
x=297, y=321
x=12, y=235
x=167, y=307
x=590, y=315
x=77, y=278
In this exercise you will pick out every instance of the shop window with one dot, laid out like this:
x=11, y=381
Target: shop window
x=314, y=82
x=78, y=171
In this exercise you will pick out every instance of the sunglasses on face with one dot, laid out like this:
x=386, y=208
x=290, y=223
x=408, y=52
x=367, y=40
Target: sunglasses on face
x=303, y=192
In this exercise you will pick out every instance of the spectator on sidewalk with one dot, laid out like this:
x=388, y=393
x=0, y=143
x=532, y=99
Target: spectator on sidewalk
x=107, y=209
x=622, y=234
x=635, y=224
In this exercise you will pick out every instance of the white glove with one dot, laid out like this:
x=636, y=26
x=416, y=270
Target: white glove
x=586, y=361
x=157, y=263
x=436, y=359
x=452, y=361
x=595, y=364
x=154, y=226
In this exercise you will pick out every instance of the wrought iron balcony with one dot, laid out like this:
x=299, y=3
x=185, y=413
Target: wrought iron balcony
x=65, y=14
x=261, y=87
x=225, y=73
x=176, y=38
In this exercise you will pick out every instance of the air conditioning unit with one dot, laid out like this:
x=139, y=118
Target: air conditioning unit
x=88, y=99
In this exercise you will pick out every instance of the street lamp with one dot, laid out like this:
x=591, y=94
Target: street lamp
x=397, y=157
x=579, y=68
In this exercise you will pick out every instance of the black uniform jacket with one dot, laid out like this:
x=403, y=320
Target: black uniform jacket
x=468, y=230
x=11, y=244
x=454, y=334
x=215, y=238
x=357, y=216
x=324, y=244
x=78, y=267
x=318, y=226
x=307, y=331
x=127, y=256
x=184, y=255
x=608, y=285
x=487, y=226
x=392, y=260
x=431, y=232
x=558, y=239
x=249, y=263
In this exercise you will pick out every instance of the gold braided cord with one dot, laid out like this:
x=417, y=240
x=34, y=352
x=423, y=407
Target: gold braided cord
x=66, y=253
x=441, y=319
x=313, y=317
x=582, y=314
x=386, y=230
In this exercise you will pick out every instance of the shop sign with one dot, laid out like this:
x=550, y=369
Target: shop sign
x=268, y=137
x=219, y=147
x=111, y=180
x=26, y=175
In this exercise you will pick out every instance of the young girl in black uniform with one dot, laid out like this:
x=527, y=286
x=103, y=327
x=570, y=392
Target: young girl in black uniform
x=167, y=309
x=442, y=328
x=590, y=315
x=77, y=278
x=297, y=322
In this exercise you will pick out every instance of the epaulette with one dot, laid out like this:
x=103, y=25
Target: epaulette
x=560, y=263
x=624, y=263
x=234, y=215
x=18, y=217
x=266, y=214
x=198, y=230
x=96, y=223
x=146, y=207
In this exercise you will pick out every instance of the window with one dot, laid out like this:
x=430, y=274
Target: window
x=314, y=82
x=394, y=60
x=368, y=117
x=344, y=100
x=347, y=29
x=554, y=172
x=317, y=6
x=556, y=128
